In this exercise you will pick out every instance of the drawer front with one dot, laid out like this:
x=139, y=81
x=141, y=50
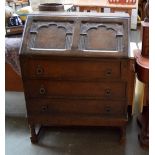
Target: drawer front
x=76, y=107
x=72, y=69
x=47, y=88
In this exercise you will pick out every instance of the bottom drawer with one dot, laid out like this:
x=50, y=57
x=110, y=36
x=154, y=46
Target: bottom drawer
x=76, y=107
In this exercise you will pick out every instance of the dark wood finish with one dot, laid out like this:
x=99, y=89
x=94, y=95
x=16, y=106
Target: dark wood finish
x=13, y=81
x=34, y=138
x=143, y=122
x=143, y=119
x=142, y=70
x=123, y=134
x=42, y=88
x=142, y=66
x=72, y=78
x=141, y=7
x=51, y=7
x=76, y=107
x=73, y=69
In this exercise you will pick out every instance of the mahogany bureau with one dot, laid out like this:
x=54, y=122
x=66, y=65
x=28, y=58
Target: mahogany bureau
x=76, y=70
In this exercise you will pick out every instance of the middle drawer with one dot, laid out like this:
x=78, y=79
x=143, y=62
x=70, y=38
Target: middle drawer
x=49, y=88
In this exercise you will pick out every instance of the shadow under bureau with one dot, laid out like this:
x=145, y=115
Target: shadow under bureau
x=76, y=70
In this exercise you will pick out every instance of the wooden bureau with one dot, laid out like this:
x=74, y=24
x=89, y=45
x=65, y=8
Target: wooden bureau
x=76, y=70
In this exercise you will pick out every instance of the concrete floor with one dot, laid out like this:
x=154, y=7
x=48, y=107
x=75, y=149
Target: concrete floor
x=66, y=141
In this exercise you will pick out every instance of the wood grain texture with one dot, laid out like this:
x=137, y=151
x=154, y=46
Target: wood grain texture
x=90, y=83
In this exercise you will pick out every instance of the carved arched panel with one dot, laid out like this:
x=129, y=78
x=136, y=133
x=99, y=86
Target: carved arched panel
x=101, y=39
x=50, y=37
x=101, y=36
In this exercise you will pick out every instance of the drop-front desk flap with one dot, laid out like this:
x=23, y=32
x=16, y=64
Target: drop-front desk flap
x=77, y=34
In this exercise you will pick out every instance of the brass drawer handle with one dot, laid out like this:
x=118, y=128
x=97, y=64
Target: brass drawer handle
x=44, y=108
x=108, y=72
x=108, y=92
x=39, y=70
x=42, y=91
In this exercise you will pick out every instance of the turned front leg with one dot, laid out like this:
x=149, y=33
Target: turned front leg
x=122, y=134
x=34, y=137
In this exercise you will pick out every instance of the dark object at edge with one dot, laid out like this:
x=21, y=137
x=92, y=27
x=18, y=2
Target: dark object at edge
x=51, y=7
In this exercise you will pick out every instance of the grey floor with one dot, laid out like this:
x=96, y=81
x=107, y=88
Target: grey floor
x=66, y=141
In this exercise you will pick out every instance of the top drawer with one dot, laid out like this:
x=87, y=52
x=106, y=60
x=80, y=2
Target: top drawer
x=71, y=69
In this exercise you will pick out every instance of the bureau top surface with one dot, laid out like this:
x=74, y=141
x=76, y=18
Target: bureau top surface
x=76, y=34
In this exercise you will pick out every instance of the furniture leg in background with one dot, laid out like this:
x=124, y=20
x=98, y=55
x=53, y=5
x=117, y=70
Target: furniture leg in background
x=142, y=70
